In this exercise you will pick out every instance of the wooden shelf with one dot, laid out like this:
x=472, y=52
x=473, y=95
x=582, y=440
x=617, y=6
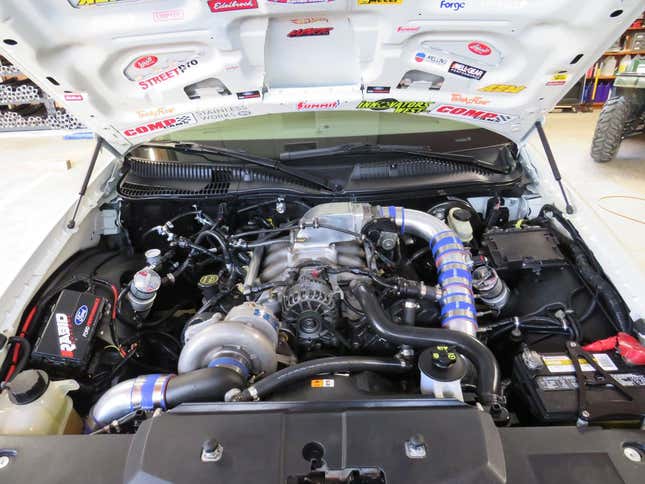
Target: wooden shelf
x=626, y=52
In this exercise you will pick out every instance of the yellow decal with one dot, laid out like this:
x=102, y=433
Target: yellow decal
x=507, y=88
x=326, y=383
x=379, y=2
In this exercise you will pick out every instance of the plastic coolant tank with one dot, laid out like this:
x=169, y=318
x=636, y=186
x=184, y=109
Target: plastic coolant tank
x=32, y=405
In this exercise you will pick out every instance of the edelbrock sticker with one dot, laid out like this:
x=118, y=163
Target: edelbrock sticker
x=464, y=70
x=505, y=88
x=455, y=6
x=395, y=106
x=310, y=32
x=168, y=74
x=228, y=5
x=460, y=98
x=160, y=125
x=314, y=106
x=433, y=58
x=473, y=114
x=223, y=113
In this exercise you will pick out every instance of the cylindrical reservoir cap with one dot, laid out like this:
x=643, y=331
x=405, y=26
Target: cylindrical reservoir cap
x=28, y=386
x=442, y=363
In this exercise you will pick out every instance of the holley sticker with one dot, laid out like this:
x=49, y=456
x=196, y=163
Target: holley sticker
x=160, y=125
x=228, y=5
x=471, y=113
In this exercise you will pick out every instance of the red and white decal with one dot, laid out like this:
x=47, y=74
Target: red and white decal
x=309, y=106
x=479, y=48
x=228, y=5
x=74, y=96
x=474, y=114
x=167, y=75
x=460, y=98
x=145, y=61
x=168, y=15
x=310, y=32
x=407, y=28
x=65, y=338
x=161, y=125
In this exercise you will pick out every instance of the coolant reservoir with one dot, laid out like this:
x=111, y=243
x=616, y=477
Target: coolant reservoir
x=32, y=405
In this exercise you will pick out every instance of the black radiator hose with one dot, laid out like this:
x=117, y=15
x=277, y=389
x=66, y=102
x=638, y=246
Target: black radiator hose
x=307, y=369
x=203, y=385
x=488, y=373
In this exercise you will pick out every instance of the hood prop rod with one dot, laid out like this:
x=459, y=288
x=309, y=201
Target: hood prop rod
x=88, y=174
x=553, y=164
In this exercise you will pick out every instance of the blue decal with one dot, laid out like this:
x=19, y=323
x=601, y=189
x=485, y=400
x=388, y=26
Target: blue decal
x=81, y=315
x=456, y=6
x=420, y=56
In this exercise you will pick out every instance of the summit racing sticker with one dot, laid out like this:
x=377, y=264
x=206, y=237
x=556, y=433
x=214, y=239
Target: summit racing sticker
x=310, y=32
x=311, y=106
x=228, y=5
x=395, y=106
x=160, y=125
x=464, y=70
x=473, y=114
x=168, y=74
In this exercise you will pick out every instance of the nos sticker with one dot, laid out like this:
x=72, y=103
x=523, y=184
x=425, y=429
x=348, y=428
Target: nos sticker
x=81, y=315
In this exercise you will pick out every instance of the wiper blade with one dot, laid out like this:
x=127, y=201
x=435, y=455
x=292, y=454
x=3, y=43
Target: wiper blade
x=351, y=148
x=265, y=162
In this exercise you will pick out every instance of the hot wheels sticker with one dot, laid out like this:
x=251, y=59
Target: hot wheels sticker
x=473, y=114
x=464, y=70
x=479, y=48
x=228, y=5
x=395, y=106
x=310, y=32
x=168, y=74
x=145, y=61
x=161, y=125
x=314, y=106
x=506, y=88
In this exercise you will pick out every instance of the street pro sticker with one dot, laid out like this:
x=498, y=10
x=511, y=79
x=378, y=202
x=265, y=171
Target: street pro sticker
x=464, y=70
x=395, y=106
x=166, y=75
x=160, y=125
x=472, y=114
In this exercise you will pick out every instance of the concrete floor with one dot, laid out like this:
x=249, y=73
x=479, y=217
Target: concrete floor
x=40, y=175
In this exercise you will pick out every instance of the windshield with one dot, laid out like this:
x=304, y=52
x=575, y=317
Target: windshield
x=272, y=134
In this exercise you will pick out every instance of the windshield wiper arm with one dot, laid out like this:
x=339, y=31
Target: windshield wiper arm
x=265, y=162
x=350, y=148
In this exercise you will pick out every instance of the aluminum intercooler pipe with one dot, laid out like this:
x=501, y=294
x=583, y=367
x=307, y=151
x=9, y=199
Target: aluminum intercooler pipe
x=451, y=260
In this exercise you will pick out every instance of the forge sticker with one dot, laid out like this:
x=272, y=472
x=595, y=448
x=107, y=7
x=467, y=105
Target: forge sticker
x=460, y=98
x=228, y=5
x=464, y=70
x=310, y=32
x=315, y=106
x=223, y=113
x=472, y=114
x=454, y=6
x=377, y=90
x=558, y=79
x=430, y=57
x=505, y=88
x=395, y=106
x=167, y=74
x=160, y=125
x=248, y=95
x=380, y=2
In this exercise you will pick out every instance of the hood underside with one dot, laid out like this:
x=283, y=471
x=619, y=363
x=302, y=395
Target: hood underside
x=135, y=69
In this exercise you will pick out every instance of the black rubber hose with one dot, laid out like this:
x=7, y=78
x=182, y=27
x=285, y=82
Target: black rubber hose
x=291, y=374
x=602, y=287
x=219, y=238
x=488, y=373
x=203, y=385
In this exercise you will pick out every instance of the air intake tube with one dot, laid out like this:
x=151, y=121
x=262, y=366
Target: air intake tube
x=488, y=375
x=148, y=392
x=457, y=302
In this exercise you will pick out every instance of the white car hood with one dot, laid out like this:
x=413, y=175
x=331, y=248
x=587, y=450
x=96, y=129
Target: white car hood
x=132, y=70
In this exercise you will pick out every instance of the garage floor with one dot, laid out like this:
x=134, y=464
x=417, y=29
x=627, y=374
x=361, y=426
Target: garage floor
x=40, y=176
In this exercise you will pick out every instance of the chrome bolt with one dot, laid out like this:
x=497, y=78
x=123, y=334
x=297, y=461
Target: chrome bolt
x=632, y=454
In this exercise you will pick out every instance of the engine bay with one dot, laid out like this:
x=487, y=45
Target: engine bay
x=488, y=300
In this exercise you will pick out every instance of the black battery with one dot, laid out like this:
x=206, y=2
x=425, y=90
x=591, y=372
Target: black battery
x=551, y=390
x=66, y=339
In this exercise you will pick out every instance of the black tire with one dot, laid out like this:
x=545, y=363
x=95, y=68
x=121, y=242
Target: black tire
x=610, y=129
